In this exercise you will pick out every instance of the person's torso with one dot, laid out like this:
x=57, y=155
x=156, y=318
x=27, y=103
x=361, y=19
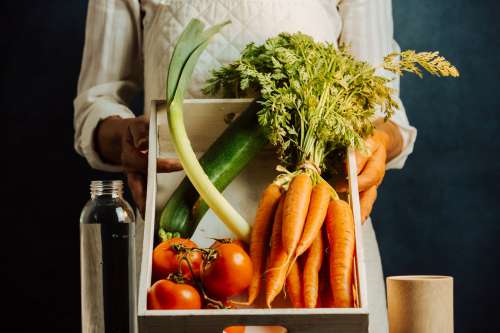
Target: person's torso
x=251, y=21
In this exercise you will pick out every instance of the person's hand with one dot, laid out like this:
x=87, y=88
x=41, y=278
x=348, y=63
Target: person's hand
x=125, y=142
x=134, y=160
x=371, y=171
x=383, y=145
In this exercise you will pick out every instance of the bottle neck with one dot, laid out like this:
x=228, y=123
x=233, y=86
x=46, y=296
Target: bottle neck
x=109, y=188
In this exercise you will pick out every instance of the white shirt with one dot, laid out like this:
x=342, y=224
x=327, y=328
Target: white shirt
x=128, y=45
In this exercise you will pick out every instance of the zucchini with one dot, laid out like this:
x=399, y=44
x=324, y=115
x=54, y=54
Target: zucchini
x=222, y=162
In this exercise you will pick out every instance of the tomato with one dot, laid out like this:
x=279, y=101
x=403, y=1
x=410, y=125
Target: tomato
x=238, y=242
x=166, y=259
x=168, y=295
x=229, y=274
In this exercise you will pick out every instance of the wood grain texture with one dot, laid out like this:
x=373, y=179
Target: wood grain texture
x=294, y=320
x=352, y=173
x=202, y=114
x=91, y=278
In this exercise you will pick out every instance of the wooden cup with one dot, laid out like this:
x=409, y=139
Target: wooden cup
x=420, y=304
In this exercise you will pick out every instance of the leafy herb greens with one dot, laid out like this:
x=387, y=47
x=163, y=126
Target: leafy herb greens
x=316, y=98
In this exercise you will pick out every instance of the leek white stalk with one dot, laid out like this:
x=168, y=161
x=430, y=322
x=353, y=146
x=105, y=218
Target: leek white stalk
x=189, y=47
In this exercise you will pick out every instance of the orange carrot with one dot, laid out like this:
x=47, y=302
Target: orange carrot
x=294, y=286
x=260, y=236
x=325, y=293
x=278, y=259
x=325, y=299
x=320, y=198
x=295, y=211
x=311, y=271
x=366, y=201
x=340, y=230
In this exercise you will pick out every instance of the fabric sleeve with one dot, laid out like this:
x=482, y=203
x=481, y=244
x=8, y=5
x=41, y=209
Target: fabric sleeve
x=367, y=28
x=111, y=71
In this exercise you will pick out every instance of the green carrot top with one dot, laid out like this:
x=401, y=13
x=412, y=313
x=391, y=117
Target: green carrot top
x=317, y=98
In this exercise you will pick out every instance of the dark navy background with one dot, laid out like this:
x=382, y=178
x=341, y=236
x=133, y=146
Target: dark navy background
x=437, y=216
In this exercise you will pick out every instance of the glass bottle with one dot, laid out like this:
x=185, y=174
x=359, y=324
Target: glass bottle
x=107, y=260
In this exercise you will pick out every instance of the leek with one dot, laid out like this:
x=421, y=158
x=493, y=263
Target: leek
x=189, y=47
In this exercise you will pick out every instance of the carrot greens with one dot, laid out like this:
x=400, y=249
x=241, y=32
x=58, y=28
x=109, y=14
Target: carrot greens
x=315, y=97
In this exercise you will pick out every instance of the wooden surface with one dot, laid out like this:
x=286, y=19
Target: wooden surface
x=149, y=218
x=353, y=320
x=202, y=114
x=356, y=211
x=294, y=320
x=91, y=278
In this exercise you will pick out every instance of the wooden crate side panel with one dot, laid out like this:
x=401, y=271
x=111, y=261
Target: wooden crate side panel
x=306, y=323
x=148, y=241
x=354, y=201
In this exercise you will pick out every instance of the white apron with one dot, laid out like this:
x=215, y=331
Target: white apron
x=252, y=20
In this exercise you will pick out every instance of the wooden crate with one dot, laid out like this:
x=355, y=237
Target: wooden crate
x=351, y=320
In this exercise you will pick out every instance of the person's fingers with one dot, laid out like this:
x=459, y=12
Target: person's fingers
x=139, y=133
x=133, y=159
x=374, y=170
x=366, y=200
x=137, y=185
x=381, y=137
x=372, y=174
x=362, y=158
x=168, y=165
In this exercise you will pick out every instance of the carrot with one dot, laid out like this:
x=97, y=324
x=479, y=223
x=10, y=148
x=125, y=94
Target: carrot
x=320, y=198
x=294, y=286
x=311, y=271
x=325, y=293
x=325, y=299
x=374, y=170
x=366, y=200
x=278, y=259
x=260, y=236
x=295, y=211
x=341, y=237
x=321, y=289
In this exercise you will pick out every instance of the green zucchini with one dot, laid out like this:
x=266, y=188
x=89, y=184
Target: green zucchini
x=222, y=162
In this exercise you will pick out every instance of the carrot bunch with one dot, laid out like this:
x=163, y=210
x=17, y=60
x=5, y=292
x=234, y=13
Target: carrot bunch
x=316, y=100
x=288, y=249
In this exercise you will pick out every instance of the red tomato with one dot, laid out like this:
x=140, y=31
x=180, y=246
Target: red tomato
x=232, y=241
x=168, y=295
x=229, y=274
x=166, y=259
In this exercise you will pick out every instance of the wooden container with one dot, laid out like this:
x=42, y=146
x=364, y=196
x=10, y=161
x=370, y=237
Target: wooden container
x=420, y=304
x=347, y=320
